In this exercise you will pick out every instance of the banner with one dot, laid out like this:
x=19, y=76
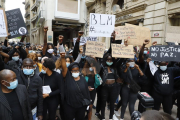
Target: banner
x=124, y=32
x=83, y=40
x=165, y=53
x=142, y=33
x=122, y=51
x=101, y=25
x=173, y=34
x=3, y=24
x=95, y=48
x=16, y=25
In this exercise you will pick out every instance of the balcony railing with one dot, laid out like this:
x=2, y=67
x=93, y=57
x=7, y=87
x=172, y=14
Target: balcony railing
x=35, y=5
x=34, y=18
x=27, y=5
x=27, y=23
x=89, y=2
x=27, y=14
x=34, y=29
x=41, y=18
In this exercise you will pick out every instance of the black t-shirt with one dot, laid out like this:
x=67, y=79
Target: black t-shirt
x=15, y=106
x=91, y=80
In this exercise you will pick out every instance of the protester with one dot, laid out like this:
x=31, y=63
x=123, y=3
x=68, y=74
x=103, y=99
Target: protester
x=14, y=99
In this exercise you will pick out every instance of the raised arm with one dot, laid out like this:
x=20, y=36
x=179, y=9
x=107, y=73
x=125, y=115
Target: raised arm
x=45, y=40
x=64, y=67
x=22, y=38
x=141, y=57
x=78, y=59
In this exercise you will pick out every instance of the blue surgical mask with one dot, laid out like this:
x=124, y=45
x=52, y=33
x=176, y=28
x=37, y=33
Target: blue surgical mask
x=145, y=52
x=13, y=85
x=83, y=57
x=42, y=71
x=30, y=51
x=28, y=71
x=16, y=58
x=90, y=69
x=163, y=68
x=109, y=63
x=75, y=75
x=67, y=64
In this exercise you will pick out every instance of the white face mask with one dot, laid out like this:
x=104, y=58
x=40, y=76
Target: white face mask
x=39, y=58
x=131, y=64
x=50, y=51
x=163, y=68
x=90, y=69
x=75, y=75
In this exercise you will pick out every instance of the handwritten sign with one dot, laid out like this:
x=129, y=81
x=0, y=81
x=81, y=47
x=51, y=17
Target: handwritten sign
x=152, y=67
x=173, y=34
x=122, y=51
x=83, y=40
x=101, y=25
x=16, y=25
x=3, y=24
x=142, y=33
x=165, y=53
x=124, y=32
x=95, y=48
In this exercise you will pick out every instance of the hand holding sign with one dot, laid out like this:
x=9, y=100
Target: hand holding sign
x=146, y=42
x=154, y=43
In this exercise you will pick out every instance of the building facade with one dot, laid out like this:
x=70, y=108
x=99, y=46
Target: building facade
x=2, y=3
x=153, y=14
x=63, y=17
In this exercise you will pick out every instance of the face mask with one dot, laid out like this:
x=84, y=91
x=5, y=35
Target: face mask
x=28, y=71
x=83, y=57
x=13, y=85
x=30, y=51
x=39, y=58
x=75, y=75
x=58, y=52
x=50, y=51
x=109, y=63
x=67, y=64
x=90, y=69
x=35, y=65
x=16, y=58
x=131, y=64
x=145, y=52
x=163, y=68
x=42, y=71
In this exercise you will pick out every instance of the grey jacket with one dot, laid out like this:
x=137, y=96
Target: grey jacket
x=5, y=110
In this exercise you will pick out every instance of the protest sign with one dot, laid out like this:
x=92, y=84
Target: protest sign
x=83, y=40
x=152, y=67
x=122, y=51
x=124, y=32
x=173, y=34
x=142, y=33
x=101, y=25
x=3, y=24
x=165, y=53
x=16, y=25
x=95, y=48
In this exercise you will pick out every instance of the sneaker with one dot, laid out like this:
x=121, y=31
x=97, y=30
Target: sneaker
x=114, y=117
x=116, y=113
x=98, y=115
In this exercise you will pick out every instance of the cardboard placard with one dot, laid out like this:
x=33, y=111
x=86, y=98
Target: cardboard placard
x=16, y=25
x=122, y=51
x=142, y=33
x=173, y=34
x=165, y=53
x=3, y=24
x=101, y=25
x=95, y=48
x=124, y=32
x=83, y=40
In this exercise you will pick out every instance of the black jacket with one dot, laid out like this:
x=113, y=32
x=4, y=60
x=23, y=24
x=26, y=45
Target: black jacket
x=5, y=110
x=34, y=88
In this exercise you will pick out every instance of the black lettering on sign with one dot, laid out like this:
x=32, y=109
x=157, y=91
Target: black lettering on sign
x=93, y=16
x=16, y=25
x=109, y=20
x=165, y=53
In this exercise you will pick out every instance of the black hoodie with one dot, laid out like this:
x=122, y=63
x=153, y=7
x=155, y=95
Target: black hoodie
x=164, y=80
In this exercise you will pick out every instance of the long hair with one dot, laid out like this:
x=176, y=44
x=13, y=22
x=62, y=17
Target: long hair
x=86, y=70
x=58, y=63
x=105, y=59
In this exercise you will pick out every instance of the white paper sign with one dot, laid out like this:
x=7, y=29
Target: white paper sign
x=46, y=89
x=83, y=40
x=3, y=31
x=101, y=25
x=152, y=67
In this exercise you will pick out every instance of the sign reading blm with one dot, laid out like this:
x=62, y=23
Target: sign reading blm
x=165, y=53
x=101, y=25
x=16, y=25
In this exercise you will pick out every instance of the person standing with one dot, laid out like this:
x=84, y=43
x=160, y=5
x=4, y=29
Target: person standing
x=14, y=102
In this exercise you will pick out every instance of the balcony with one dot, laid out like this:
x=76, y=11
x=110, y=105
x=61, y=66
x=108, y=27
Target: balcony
x=34, y=18
x=89, y=2
x=172, y=1
x=28, y=23
x=35, y=5
x=41, y=18
x=27, y=5
x=27, y=14
x=34, y=29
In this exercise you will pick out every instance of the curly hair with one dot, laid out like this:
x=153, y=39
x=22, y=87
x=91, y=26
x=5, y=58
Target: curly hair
x=49, y=63
x=105, y=59
x=71, y=59
x=85, y=69
x=58, y=63
x=33, y=56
